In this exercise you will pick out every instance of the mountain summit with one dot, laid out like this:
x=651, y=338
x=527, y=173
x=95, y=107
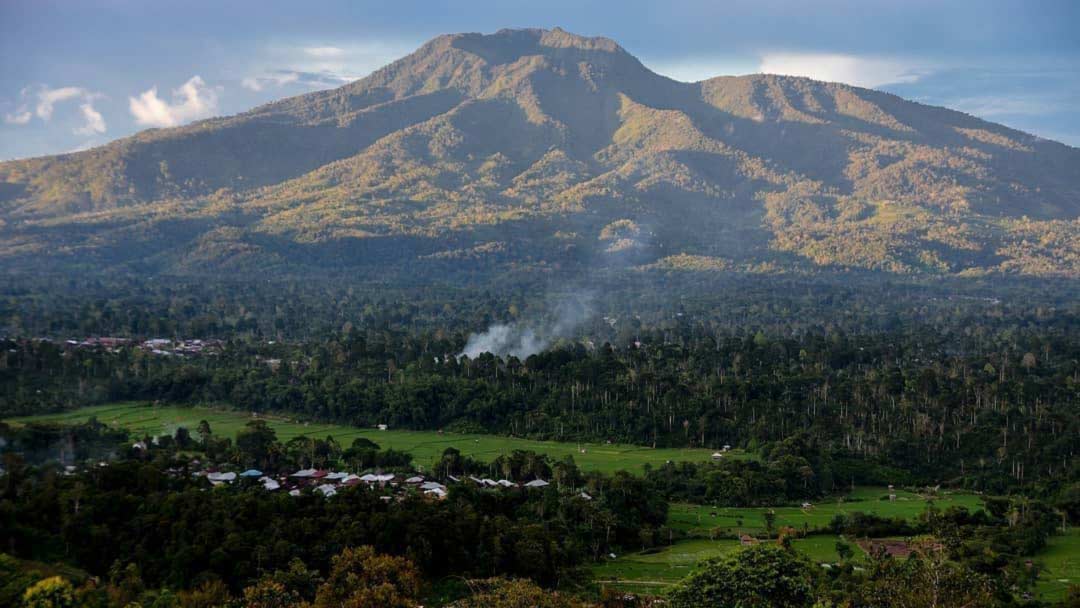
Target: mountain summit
x=541, y=147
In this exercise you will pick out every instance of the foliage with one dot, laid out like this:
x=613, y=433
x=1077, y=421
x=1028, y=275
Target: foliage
x=928, y=580
x=756, y=577
x=502, y=593
x=54, y=592
x=359, y=578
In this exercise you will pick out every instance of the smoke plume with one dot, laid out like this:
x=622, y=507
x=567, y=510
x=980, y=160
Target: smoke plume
x=525, y=338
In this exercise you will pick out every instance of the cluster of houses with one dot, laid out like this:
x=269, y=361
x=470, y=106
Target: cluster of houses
x=328, y=483
x=164, y=347
x=109, y=344
x=181, y=348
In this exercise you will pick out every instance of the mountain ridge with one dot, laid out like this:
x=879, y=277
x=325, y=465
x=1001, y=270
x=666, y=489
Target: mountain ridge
x=454, y=146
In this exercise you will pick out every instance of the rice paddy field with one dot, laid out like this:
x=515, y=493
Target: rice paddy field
x=1061, y=566
x=425, y=446
x=706, y=521
x=653, y=571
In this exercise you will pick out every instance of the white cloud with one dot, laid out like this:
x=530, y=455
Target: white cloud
x=696, y=69
x=258, y=83
x=324, y=52
x=47, y=98
x=849, y=69
x=86, y=145
x=252, y=83
x=19, y=117
x=322, y=66
x=95, y=123
x=1001, y=106
x=194, y=99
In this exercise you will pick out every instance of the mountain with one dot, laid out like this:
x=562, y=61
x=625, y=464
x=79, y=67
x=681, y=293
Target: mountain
x=544, y=149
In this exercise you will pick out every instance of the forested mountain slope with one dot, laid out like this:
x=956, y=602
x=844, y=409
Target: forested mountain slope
x=546, y=149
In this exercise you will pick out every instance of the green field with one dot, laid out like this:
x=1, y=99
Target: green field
x=655, y=570
x=698, y=520
x=1061, y=563
x=425, y=446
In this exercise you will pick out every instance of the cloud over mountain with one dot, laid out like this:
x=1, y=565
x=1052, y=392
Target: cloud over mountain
x=192, y=100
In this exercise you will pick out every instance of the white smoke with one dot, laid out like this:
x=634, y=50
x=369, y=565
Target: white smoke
x=522, y=339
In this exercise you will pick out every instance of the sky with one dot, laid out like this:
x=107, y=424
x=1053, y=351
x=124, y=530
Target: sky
x=79, y=73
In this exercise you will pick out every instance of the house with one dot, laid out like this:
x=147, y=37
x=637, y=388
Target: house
x=438, y=493
x=221, y=477
x=338, y=476
x=584, y=496
x=251, y=473
x=269, y=483
x=746, y=540
x=727, y=448
x=327, y=490
x=432, y=485
x=506, y=483
x=717, y=456
x=415, y=479
x=381, y=427
x=303, y=473
x=537, y=483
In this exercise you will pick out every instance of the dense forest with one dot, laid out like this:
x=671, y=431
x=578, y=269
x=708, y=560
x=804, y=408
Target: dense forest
x=972, y=392
x=969, y=386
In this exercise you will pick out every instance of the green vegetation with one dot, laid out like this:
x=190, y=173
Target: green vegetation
x=425, y=446
x=698, y=520
x=715, y=535
x=763, y=576
x=1061, y=566
x=656, y=569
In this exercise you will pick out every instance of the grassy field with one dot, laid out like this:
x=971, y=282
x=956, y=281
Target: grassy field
x=698, y=520
x=425, y=446
x=655, y=570
x=1061, y=563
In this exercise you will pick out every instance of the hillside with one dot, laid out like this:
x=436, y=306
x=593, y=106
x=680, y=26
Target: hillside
x=534, y=148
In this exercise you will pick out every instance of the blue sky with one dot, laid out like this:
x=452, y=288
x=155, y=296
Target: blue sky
x=79, y=73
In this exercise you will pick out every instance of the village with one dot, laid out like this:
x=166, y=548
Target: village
x=328, y=483
x=162, y=347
